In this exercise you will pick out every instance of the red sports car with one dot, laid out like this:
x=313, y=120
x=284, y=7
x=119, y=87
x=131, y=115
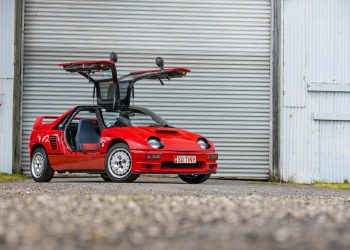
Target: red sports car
x=113, y=137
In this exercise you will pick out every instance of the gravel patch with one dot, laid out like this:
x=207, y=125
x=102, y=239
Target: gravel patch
x=159, y=213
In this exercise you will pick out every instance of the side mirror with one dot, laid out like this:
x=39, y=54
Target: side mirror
x=113, y=57
x=160, y=62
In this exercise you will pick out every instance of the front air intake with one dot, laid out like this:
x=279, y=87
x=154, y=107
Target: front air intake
x=167, y=132
x=53, y=142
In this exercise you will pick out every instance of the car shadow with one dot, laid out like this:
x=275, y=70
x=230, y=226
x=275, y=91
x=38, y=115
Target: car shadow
x=87, y=180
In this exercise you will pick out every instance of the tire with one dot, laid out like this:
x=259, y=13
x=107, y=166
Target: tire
x=118, y=164
x=105, y=177
x=194, y=178
x=40, y=167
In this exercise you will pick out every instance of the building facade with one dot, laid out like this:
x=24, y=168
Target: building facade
x=255, y=74
x=315, y=91
x=7, y=59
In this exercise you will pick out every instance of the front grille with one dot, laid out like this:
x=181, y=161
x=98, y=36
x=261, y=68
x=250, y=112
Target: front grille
x=169, y=164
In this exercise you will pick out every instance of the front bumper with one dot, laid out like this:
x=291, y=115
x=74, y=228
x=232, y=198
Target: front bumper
x=165, y=165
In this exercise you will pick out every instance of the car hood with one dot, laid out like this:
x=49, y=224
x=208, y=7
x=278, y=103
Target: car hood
x=172, y=138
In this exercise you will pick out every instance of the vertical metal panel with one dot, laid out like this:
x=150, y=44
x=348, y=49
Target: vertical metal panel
x=225, y=43
x=294, y=70
x=299, y=142
x=6, y=110
x=328, y=41
x=7, y=18
x=334, y=138
x=314, y=149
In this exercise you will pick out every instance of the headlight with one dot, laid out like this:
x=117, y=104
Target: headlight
x=154, y=142
x=203, y=143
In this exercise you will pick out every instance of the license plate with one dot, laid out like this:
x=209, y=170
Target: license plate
x=185, y=159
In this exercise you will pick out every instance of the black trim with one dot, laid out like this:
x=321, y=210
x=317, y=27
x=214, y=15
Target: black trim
x=170, y=164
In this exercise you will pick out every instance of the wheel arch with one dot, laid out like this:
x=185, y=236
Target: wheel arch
x=36, y=146
x=115, y=141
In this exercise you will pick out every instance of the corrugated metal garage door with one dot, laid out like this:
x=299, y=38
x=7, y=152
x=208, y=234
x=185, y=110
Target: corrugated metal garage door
x=225, y=43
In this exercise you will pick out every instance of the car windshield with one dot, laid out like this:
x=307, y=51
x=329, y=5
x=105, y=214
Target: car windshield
x=132, y=117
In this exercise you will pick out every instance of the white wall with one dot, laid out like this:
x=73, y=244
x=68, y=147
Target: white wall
x=7, y=22
x=315, y=91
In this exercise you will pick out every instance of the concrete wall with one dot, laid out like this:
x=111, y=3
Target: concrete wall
x=315, y=91
x=7, y=25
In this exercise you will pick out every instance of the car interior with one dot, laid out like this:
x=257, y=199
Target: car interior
x=83, y=132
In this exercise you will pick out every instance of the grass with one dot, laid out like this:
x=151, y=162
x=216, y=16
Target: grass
x=12, y=177
x=339, y=185
x=275, y=180
x=264, y=182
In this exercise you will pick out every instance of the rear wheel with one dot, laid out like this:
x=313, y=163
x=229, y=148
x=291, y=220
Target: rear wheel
x=40, y=166
x=118, y=164
x=194, y=178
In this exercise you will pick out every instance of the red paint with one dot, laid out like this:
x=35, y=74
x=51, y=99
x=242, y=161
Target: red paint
x=90, y=147
x=38, y=124
x=176, y=142
x=77, y=161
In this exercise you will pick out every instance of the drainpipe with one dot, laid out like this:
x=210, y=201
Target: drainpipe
x=18, y=87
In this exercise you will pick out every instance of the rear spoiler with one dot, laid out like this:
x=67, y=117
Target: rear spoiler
x=38, y=124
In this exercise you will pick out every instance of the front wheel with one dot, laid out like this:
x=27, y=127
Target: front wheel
x=118, y=164
x=40, y=166
x=105, y=177
x=194, y=178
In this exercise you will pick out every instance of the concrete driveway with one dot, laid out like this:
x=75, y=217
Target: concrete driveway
x=165, y=213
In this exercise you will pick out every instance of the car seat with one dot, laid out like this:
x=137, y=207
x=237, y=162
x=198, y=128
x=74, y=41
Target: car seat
x=123, y=121
x=87, y=138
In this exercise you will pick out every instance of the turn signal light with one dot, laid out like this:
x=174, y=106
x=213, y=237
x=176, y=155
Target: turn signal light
x=153, y=156
x=212, y=157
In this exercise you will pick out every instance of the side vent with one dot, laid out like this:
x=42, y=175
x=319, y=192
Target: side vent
x=53, y=142
x=167, y=132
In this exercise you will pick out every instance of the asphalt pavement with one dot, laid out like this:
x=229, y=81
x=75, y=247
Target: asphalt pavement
x=165, y=213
